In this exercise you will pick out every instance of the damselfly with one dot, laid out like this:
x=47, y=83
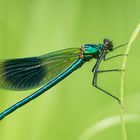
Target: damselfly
x=48, y=70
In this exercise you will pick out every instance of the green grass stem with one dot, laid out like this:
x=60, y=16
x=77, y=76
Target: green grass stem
x=131, y=40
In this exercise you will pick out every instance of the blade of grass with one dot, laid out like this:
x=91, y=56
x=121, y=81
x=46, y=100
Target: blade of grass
x=131, y=40
x=106, y=123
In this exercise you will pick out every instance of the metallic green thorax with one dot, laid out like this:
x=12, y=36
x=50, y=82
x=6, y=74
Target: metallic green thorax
x=92, y=51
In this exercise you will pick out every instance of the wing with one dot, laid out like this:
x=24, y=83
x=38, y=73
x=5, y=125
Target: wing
x=32, y=72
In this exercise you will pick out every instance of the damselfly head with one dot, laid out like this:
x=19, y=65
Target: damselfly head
x=108, y=44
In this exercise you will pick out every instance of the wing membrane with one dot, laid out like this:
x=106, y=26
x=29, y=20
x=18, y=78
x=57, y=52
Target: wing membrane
x=32, y=72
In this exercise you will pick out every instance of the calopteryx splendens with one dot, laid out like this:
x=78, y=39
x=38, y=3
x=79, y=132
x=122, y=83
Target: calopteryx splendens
x=48, y=70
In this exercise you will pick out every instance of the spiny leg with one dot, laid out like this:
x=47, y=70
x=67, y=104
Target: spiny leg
x=105, y=59
x=94, y=82
x=120, y=46
x=95, y=85
x=111, y=70
x=117, y=47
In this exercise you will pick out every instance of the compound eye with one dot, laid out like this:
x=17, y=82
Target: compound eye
x=108, y=44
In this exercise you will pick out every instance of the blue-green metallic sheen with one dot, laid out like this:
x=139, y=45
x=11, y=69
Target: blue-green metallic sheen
x=60, y=77
x=20, y=74
x=92, y=49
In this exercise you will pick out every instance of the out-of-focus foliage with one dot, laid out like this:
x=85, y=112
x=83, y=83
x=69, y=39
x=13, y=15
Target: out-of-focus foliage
x=73, y=109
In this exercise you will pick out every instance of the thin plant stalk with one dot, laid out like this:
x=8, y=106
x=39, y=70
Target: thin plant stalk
x=131, y=40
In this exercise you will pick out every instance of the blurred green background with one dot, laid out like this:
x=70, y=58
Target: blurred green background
x=74, y=109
